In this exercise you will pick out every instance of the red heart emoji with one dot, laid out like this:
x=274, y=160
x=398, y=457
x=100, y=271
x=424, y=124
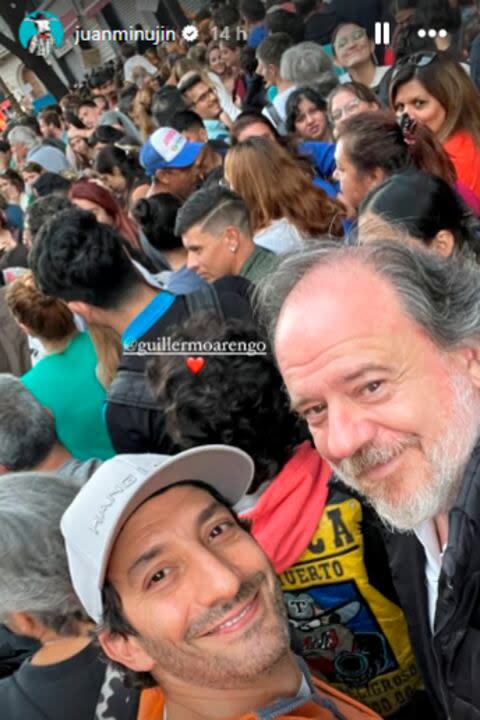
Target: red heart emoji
x=195, y=364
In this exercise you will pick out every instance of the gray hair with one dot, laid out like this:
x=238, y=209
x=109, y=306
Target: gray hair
x=27, y=429
x=305, y=63
x=440, y=294
x=34, y=575
x=22, y=135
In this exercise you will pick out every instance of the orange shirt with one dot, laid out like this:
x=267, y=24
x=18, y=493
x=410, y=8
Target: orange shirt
x=152, y=705
x=465, y=155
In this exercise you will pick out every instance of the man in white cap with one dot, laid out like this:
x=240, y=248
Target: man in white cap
x=185, y=595
x=172, y=162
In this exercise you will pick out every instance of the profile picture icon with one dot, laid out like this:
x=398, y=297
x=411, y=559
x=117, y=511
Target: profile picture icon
x=40, y=32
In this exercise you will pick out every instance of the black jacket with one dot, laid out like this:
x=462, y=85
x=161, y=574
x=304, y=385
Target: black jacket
x=135, y=421
x=450, y=660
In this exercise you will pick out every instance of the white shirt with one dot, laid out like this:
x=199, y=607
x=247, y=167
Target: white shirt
x=427, y=535
x=280, y=105
x=280, y=236
x=380, y=71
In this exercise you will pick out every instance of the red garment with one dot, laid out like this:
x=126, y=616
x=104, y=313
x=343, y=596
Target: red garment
x=468, y=196
x=465, y=155
x=286, y=516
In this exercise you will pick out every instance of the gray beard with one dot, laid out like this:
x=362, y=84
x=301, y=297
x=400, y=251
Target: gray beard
x=446, y=462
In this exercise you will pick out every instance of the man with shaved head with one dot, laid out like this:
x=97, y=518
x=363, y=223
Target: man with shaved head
x=379, y=347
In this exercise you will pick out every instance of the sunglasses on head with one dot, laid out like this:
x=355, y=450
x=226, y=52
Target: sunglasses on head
x=418, y=60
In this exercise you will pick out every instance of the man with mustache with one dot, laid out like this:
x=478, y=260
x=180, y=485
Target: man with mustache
x=186, y=598
x=379, y=349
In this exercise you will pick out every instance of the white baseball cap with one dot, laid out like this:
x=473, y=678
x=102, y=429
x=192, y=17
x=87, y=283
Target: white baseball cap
x=167, y=148
x=93, y=521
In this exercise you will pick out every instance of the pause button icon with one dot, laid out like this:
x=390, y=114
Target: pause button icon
x=382, y=33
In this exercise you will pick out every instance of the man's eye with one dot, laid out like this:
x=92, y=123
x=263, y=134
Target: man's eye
x=221, y=528
x=372, y=387
x=159, y=576
x=314, y=412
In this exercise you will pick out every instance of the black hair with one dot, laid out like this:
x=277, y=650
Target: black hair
x=49, y=183
x=252, y=10
x=424, y=205
x=157, y=215
x=14, y=178
x=77, y=258
x=189, y=81
x=185, y=120
x=166, y=102
x=4, y=146
x=271, y=49
x=43, y=209
x=235, y=400
x=105, y=134
x=101, y=76
x=72, y=119
x=225, y=16
x=282, y=21
x=213, y=205
x=126, y=161
x=294, y=100
x=87, y=102
x=126, y=99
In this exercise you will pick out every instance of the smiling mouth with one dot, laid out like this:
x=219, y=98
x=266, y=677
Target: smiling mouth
x=238, y=621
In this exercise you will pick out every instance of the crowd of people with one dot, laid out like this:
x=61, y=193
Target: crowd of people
x=285, y=528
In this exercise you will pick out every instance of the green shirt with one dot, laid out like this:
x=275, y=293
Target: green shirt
x=66, y=383
x=260, y=263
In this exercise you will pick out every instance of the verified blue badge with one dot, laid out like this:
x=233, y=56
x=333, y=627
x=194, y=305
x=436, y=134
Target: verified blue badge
x=40, y=32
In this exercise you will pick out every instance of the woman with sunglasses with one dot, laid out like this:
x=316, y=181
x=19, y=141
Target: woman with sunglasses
x=354, y=51
x=435, y=91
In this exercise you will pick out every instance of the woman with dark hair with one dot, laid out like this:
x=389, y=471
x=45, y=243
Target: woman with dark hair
x=354, y=51
x=302, y=518
x=427, y=208
x=120, y=170
x=350, y=99
x=435, y=91
x=372, y=146
x=156, y=215
x=307, y=115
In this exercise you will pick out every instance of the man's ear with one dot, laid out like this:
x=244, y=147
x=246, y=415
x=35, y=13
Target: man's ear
x=469, y=358
x=443, y=243
x=231, y=238
x=126, y=651
x=25, y=624
x=85, y=310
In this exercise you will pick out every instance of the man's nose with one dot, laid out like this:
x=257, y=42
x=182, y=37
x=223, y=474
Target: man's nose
x=192, y=262
x=220, y=580
x=348, y=429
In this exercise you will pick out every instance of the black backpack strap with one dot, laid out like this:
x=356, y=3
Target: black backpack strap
x=276, y=117
x=204, y=300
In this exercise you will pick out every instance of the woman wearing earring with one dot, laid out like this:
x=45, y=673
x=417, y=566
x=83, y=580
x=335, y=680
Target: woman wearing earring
x=354, y=52
x=436, y=92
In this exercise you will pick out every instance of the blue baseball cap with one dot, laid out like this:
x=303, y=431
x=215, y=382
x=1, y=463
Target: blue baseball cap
x=167, y=148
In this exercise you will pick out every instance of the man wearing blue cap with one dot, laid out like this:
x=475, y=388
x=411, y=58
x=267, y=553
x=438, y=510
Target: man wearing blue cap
x=172, y=162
